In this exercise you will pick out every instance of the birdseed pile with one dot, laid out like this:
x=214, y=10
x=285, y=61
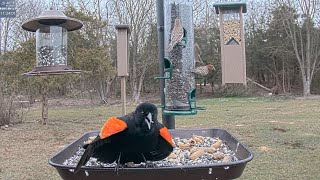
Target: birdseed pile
x=182, y=58
x=52, y=55
x=197, y=150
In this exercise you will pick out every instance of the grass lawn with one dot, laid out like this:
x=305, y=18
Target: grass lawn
x=284, y=135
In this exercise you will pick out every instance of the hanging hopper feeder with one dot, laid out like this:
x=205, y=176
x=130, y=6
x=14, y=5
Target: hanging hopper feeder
x=51, y=29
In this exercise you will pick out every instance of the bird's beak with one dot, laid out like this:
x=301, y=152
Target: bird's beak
x=148, y=120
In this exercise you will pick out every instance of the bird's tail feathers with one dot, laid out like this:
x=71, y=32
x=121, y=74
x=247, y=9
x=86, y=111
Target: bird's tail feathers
x=89, y=150
x=170, y=48
x=85, y=157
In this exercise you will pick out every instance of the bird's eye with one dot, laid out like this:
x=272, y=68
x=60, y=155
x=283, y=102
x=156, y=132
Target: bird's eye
x=142, y=112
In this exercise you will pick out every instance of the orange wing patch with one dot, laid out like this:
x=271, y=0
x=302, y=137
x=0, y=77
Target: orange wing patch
x=166, y=135
x=112, y=126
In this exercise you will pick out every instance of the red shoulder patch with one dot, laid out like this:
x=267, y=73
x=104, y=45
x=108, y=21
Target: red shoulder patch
x=112, y=126
x=166, y=135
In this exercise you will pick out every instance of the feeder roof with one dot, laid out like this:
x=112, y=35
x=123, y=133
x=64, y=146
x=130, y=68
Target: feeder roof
x=52, y=18
x=123, y=26
x=231, y=5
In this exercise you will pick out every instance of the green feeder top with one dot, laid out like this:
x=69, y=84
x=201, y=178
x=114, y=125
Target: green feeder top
x=231, y=5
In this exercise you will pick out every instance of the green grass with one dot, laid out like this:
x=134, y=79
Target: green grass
x=284, y=135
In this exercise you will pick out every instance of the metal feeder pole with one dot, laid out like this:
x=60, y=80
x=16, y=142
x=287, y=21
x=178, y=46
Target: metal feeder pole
x=167, y=120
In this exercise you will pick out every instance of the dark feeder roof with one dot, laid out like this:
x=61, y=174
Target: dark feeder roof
x=123, y=26
x=52, y=18
x=230, y=6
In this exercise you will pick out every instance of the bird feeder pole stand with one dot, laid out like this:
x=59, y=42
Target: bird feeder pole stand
x=51, y=29
x=44, y=92
x=123, y=33
x=167, y=120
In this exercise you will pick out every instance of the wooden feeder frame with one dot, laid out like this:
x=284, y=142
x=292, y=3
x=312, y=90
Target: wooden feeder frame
x=233, y=59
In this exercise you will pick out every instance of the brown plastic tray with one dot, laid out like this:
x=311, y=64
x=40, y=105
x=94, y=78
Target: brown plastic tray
x=230, y=170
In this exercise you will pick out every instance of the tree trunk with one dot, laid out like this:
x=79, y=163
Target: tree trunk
x=306, y=86
x=108, y=86
x=136, y=98
x=283, y=77
x=101, y=91
x=134, y=75
x=305, y=38
x=288, y=80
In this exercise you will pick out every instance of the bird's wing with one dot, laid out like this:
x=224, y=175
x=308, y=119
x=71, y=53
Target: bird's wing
x=165, y=134
x=176, y=34
x=163, y=148
x=202, y=70
x=112, y=126
x=100, y=146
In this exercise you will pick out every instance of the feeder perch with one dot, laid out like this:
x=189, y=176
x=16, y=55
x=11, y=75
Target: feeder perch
x=179, y=62
x=51, y=29
x=167, y=69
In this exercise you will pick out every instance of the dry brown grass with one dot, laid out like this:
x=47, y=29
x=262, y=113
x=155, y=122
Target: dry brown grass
x=283, y=134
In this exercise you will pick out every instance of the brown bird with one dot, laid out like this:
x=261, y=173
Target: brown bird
x=176, y=34
x=204, y=70
x=197, y=54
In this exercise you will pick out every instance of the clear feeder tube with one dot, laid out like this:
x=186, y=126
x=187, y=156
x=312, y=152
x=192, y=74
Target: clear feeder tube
x=182, y=82
x=51, y=46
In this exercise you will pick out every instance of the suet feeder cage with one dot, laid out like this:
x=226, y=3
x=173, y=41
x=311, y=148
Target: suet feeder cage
x=180, y=89
x=51, y=29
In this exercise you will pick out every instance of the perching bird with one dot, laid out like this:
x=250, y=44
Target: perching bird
x=197, y=54
x=203, y=70
x=136, y=137
x=177, y=34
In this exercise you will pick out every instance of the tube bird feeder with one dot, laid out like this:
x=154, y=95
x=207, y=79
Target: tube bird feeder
x=51, y=29
x=179, y=61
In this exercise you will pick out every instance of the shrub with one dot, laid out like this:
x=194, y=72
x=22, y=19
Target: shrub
x=10, y=110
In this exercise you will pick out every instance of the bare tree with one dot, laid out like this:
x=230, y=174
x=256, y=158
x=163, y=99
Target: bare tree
x=301, y=21
x=140, y=16
x=11, y=32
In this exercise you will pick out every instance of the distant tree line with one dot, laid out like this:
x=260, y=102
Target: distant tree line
x=282, y=47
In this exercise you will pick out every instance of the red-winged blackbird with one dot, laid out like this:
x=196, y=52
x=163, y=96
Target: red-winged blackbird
x=136, y=137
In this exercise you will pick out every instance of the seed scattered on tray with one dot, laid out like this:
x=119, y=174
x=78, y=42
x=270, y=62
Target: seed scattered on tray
x=197, y=150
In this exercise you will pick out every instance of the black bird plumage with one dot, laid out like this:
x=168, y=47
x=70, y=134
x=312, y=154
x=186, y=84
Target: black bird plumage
x=136, y=137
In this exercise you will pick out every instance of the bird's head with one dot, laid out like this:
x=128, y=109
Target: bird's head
x=211, y=67
x=146, y=114
x=177, y=22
